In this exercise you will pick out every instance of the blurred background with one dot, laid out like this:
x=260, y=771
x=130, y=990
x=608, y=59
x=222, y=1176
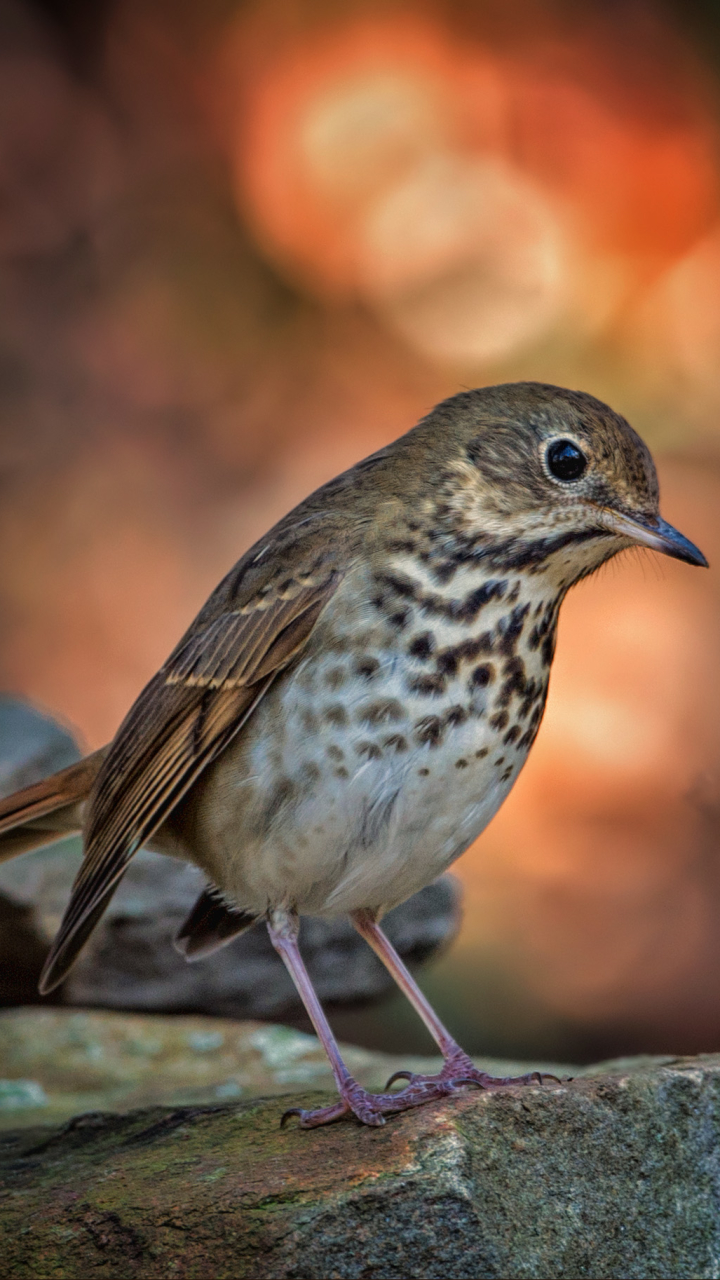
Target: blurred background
x=243, y=245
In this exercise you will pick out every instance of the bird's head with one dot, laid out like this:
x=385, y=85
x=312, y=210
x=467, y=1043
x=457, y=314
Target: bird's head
x=548, y=480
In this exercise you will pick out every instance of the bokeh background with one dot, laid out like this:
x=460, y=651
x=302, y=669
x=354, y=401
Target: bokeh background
x=243, y=245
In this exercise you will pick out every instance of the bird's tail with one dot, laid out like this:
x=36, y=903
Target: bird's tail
x=49, y=810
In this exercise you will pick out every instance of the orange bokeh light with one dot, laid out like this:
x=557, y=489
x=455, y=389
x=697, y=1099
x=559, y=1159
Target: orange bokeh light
x=524, y=174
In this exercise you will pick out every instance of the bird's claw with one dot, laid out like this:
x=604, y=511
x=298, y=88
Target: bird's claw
x=371, y=1108
x=291, y=1111
x=459, y=1070
x=399, y=1075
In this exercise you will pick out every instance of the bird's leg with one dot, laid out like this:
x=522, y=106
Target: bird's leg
x=370, y=1108
x=458, y=1068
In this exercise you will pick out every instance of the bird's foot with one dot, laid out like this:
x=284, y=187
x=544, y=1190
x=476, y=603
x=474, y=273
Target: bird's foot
x=459, y=1069
x=371, y=1108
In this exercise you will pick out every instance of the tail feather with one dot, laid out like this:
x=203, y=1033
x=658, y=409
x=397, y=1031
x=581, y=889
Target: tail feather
x=48, y=810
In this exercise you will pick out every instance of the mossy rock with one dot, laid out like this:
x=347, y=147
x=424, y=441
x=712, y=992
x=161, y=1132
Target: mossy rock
x=616, y=1176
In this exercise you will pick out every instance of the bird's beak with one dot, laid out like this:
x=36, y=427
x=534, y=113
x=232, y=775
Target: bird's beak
x=656, y=533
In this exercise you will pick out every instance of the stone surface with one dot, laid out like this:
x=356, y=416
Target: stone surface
x=130, y=962
x=610, y=1176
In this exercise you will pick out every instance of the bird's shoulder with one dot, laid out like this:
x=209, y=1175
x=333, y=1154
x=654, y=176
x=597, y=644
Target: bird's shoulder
x=300, y=560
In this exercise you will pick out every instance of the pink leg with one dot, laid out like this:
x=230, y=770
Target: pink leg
x=368, y=1107
x=459, y=1068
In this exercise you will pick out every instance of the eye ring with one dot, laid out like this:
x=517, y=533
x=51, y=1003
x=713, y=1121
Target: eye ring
x=565, y=461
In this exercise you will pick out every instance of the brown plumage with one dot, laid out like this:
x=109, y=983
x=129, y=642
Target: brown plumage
x=358, y=695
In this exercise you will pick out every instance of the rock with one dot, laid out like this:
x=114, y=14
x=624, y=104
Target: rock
x=130, y=962
x=31, y=745
x=55, y=1063
x=610, y=1176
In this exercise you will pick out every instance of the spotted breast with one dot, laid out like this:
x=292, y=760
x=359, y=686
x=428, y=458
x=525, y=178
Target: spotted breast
x=388, y=749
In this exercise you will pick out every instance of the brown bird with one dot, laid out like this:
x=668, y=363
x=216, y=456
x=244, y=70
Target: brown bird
x=358, y=696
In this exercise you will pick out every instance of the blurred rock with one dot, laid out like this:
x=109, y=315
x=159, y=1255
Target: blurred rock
x=130, y=962
x=31, y=746
x=56, y=1063
x=610, y=1176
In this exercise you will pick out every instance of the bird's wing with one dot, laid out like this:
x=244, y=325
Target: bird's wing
x=184, y=718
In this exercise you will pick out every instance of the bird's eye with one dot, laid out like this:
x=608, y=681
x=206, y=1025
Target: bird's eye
x=565, y=461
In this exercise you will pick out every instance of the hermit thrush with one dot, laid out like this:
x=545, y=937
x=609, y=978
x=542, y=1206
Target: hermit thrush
x=358, y=696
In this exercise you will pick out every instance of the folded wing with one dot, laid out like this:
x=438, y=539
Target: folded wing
x=183, y=719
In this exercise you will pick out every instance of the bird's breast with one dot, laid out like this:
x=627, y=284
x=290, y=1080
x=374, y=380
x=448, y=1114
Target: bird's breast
x=375, y=762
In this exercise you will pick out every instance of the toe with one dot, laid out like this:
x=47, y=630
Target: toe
x=399, y=1075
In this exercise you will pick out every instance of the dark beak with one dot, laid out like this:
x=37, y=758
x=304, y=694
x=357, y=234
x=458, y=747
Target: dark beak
x=656, y=533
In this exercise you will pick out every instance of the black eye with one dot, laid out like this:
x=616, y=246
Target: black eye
x=565, y=461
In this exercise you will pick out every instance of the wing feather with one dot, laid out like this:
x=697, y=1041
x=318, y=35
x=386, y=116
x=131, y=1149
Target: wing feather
x=183, y=719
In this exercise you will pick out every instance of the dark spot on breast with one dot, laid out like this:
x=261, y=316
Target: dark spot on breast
x=449, y=660
x=370, y=750
x=546, y=624
x=399, y=619
x=507, y=774
x=335, y=677
x=422, y=646
x=481, y=677
x=380, y=711
x=530, y=733
x=468, y=609
x=367, y=668
x=533, y=690
x=336, y=753
x=398, y=585
x=336, y=715
x=456, y=715
x=444, y=571
x=310, y=722
x=461, y=764
x=514, y=593
x=396, y=741
x=427, y=686
x=341, y=772
x=461, y=610
x=514, y=670
x=309, y=773
x=512, y=734
x=500, y=721
x=548, y=649
x=480, y=755
x=429, y=730
x=500, y=760
x=423, y=772
x=511, y=629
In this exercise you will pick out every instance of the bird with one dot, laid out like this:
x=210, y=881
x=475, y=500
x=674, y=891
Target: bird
x=357, y=697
